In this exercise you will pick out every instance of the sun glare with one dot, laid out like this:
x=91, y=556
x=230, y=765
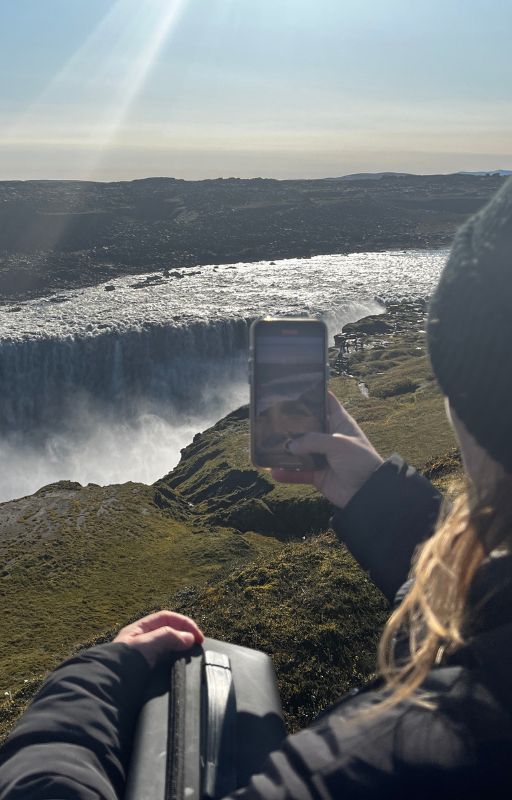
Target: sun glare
x=106, y=74
x=149, y=28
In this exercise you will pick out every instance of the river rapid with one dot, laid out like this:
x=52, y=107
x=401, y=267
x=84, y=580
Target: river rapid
x=106, y=384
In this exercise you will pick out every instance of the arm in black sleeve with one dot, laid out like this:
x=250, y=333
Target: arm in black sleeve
x=75, y=739
x=395, y=510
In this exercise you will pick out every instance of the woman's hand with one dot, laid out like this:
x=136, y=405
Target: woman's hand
x=351, y=459
x=159, y=634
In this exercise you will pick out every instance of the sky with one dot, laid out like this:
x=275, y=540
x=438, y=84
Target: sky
x=124, y=89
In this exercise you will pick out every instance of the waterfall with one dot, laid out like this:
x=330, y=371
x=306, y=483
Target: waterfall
x=154, y=366
x=119, y=404
x=108, y=386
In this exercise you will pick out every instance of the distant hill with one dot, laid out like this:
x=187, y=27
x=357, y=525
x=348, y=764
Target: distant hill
x=492, y=173
x=377, y=176
x=57, y=235
x=373, y=176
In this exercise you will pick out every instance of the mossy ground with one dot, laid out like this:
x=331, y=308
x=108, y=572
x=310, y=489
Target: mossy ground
x=83, y=561
x=80, y=562
x=310, y=608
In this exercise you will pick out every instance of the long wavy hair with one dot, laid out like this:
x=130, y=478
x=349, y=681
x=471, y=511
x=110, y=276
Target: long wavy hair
x=435, y=616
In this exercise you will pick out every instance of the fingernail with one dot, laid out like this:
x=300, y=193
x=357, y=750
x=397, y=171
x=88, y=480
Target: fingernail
x=188, y=638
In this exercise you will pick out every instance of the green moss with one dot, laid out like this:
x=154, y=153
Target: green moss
x=309, y=606
x=100, y=555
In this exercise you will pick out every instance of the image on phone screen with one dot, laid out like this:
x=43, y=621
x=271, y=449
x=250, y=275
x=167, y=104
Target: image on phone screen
x=289, y=394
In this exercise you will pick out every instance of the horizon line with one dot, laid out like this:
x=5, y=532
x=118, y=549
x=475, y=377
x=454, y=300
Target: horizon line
x=354, y=175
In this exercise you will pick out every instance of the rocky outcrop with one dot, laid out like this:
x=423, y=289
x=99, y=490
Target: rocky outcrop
x=377, y=330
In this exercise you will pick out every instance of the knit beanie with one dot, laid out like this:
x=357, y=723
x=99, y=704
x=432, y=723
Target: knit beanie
x=470, y=326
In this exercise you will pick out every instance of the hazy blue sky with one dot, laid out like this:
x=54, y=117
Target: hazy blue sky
x=115, y=89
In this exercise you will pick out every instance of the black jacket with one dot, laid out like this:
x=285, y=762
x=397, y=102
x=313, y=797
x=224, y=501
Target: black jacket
x=74, y=741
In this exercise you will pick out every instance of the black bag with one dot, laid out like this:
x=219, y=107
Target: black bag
x=207, y=725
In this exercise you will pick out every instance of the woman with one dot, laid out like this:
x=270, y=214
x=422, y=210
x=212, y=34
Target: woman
x=439, y=723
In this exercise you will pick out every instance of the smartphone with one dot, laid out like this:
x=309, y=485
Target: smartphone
x=288, y=375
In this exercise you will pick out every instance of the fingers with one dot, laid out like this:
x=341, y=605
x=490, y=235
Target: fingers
x=293, y=476
x=156, y=644
x=324, y=443
x=159, y=634
x=166, y=640
x=170, y=619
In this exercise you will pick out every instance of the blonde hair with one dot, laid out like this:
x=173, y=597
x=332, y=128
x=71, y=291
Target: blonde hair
x=435, y=615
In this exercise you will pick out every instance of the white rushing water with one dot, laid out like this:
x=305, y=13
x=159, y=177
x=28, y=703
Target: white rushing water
x=106, y=384
x=323, y=285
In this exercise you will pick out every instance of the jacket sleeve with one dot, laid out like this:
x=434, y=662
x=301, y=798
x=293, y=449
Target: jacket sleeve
x=343, y=755
x=355, y=752
x=74, y=740
x=394, y=511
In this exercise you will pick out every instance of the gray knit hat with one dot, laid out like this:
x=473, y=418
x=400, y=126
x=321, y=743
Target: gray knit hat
x=470, y=326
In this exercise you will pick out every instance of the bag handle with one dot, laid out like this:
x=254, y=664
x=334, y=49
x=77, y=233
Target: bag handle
x=220, y=726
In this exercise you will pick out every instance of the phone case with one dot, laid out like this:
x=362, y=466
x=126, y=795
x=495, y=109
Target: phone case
x=209, y=722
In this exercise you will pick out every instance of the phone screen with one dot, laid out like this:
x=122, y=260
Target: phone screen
x=289, y=389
